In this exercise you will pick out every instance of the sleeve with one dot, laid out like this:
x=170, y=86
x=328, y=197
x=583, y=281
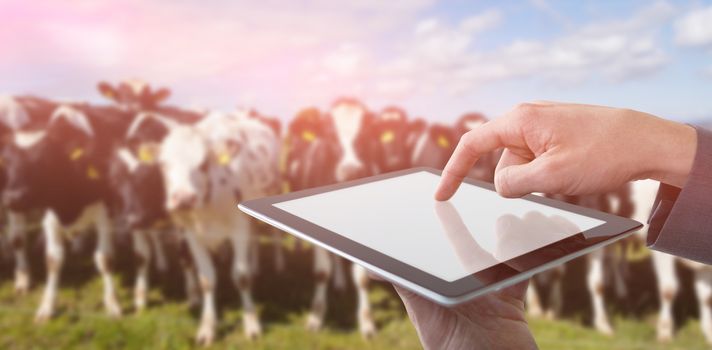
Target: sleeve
x=681, y=220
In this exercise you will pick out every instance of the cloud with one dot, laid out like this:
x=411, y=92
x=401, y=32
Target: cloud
x=695, y=28
x=440, y=56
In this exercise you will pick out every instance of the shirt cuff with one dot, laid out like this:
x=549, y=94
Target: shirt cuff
x=681, y=220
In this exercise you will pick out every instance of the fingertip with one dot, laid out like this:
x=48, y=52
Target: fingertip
x=444, y=192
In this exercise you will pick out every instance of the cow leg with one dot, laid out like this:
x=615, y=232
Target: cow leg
x=365, y=320
x=595, y=287
x=102, y=256
x=703, y=288
x=242, y=276
x=338, y=273
x=54, y=252
x=664, y=265
x=253, y=254
x=192, y=289
x=158, y=252
x=142, y=252
x=322, y=272
x=16, y=228
x=278, y=250
x=207, y=279
x=533, y=301
x=619, y=265
x=556, y=294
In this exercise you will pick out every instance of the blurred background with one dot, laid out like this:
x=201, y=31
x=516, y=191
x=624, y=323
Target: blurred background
x=434, y=60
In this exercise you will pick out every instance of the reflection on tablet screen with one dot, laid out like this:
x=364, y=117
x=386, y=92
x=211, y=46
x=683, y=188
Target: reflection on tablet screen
x=475, y=230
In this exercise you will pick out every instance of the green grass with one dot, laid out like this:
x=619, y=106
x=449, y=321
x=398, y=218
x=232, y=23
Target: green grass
x=283, y=300
x=169, y=324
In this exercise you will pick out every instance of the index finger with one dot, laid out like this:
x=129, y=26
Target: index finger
x=473, y=145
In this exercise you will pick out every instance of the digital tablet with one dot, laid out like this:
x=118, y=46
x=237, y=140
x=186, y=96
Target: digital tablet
x=448, y=252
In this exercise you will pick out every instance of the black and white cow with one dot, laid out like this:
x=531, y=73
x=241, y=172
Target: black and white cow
x=22, y=114
x=140, y=198
x=394, y=138
x=138, y=183
x=331, y=148
x=207, y=169
x=61, y=169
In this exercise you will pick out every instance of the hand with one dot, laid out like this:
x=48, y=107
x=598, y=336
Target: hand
x=492, y=321
x=574, y=149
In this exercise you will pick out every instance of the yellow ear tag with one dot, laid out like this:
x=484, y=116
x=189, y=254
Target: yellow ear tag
x=224, y=159
x=108, y=94
x=443, y=141
x=387, y=136
x=92, y=173
x=145, y=155
x=76, y=153
x=308, y=136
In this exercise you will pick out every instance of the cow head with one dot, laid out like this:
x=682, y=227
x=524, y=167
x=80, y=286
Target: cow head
x=311, y=151
x=135, y=174
x=392, y=134
x=134, y=95
x=184, y=159
x=45, y=161
x=351, y=124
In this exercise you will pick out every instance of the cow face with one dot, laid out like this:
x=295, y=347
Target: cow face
x=351, y=124
x=392, y=134
x=312, y=151
x=60, y=156
x=185, y=162
x=136, y=176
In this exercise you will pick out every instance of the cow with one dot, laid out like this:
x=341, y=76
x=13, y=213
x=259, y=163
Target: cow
x=644, y=193
x=139, y=191
x=137, y=180
x=328, y=148
x=61, y=170
x=207, y=169
x=394, y=138
x=23, y=114
x=618, y=202
x=310, y=158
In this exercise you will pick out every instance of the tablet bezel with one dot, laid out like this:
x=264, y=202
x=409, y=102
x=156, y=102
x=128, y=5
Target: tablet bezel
x=446, y=293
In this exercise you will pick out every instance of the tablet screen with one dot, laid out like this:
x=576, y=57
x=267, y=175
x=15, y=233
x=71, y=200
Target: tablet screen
x=474, y=230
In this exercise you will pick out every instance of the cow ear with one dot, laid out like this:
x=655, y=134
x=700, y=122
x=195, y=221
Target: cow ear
x=72, y=117
x=106, y=90
x=442, y=136
x=161, y=95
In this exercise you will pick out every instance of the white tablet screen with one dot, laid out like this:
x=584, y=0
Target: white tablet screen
x=475, y=230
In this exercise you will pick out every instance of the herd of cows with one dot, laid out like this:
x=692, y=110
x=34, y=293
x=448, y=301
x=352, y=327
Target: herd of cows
x=140, y=166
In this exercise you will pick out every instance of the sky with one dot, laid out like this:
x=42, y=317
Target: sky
x=436, y=59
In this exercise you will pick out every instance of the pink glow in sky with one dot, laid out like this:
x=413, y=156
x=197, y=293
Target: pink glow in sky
x=438, y=59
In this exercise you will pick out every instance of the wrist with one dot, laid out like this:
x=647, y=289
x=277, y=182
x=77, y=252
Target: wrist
x=672, y=156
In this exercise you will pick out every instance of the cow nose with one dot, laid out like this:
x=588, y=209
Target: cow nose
x=182, y=201
x=350, y=172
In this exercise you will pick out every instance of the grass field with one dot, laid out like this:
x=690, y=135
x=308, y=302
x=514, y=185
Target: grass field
x=168, y=323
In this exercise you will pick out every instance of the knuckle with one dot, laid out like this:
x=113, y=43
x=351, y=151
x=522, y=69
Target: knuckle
x=527, y=111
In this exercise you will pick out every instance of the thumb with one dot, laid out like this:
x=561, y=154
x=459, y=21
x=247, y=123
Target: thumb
x=516, y=177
